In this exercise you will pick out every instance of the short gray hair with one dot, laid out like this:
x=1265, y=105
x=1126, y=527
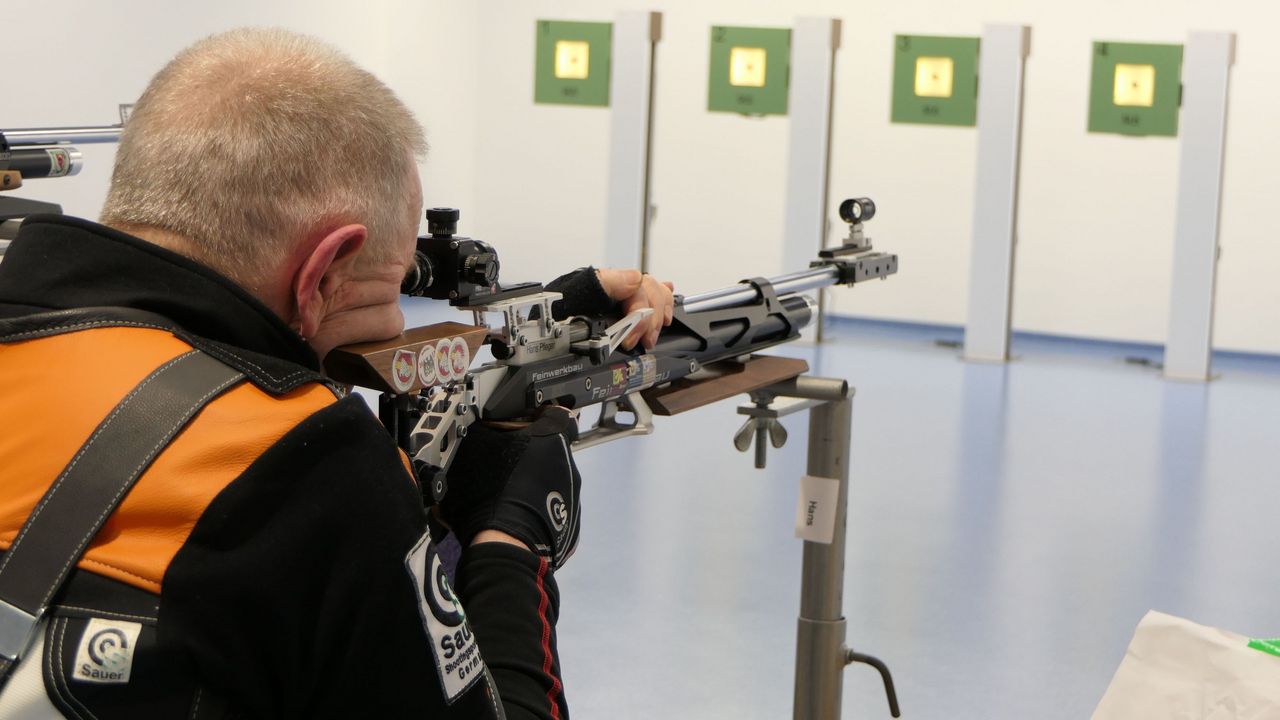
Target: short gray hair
x=251, y=138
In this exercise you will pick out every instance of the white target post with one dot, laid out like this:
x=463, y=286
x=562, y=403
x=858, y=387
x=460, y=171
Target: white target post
x=635, y=39
x=1206, y=72
x=814, y=42
x=1001, y=65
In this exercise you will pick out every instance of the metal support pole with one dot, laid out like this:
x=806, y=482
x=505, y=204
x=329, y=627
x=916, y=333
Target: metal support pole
x=820, y=650
x=820, y=632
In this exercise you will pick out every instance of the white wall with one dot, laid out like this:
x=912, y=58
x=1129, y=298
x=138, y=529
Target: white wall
x=1096, y=222
x=718, y=179
x=1096, y=225
x=90, y=56
x=429, y=57
x=105, y=53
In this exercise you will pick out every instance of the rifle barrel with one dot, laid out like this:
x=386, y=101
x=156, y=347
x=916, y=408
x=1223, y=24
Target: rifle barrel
x=55, y=136
x=744, y=294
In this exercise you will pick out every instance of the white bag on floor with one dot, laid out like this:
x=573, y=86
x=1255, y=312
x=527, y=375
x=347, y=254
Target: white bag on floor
x=1175, y=669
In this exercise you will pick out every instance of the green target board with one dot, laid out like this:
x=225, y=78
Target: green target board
x=935, y=80
x=750, y=70
x=572, y=63
x=1136, y=89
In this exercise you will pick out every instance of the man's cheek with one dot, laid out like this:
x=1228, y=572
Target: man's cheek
x=393, y=319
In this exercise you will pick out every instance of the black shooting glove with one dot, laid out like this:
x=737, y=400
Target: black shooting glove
x=582, y=295
x=521, y=482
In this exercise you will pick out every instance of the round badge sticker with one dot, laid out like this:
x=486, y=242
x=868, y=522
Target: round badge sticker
x=460, y=356
x=404, y=366
x=444, y=368
x=427, y=365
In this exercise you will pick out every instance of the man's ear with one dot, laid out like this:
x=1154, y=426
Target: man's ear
x=328, y=260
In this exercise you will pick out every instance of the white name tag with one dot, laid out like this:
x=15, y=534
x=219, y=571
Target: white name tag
x=457, y=655
x=816, y=509
x=106, y=650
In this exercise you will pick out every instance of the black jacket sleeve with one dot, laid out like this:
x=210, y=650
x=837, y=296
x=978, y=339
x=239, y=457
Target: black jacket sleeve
x=513, y=603
x=293, y=597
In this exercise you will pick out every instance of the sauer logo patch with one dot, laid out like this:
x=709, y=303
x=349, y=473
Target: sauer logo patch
x=105, y=654
x=457, y=656
x=557, y=511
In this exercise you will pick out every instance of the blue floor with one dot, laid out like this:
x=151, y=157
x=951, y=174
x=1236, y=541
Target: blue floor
x=1008, y=527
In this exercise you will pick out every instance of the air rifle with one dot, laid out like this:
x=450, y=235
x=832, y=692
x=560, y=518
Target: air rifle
x=431, y=394
x=37, y=153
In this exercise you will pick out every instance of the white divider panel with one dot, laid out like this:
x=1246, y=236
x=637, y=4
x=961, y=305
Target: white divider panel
x=814, y=41
x=630, y=138
x=1001, y=61
x=1206, y=70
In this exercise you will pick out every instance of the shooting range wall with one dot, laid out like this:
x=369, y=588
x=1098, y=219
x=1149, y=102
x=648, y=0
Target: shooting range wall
x=102, y=55
x=1097, y=211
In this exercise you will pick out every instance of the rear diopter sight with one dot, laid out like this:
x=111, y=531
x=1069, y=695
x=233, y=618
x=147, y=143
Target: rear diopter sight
x=856, y=210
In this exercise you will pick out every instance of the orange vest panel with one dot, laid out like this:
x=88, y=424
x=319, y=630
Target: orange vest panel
x=54, y=392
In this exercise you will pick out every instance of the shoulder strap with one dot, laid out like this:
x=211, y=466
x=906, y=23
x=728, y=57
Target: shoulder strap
x=57, y=322
x=272, y=375
x=84, y=495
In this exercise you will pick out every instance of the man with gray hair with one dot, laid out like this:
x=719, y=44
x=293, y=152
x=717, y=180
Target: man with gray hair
x=268, y=555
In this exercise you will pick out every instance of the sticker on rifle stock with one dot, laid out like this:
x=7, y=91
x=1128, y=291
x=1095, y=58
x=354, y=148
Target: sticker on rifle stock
x=444, y=366
x=648, y=370
x=816, y=509
x=460, y=356
x=404, y=368
x=427, y=365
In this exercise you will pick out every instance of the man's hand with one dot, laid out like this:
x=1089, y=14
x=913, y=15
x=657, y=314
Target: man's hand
x=635, y=290
x=518, y=484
